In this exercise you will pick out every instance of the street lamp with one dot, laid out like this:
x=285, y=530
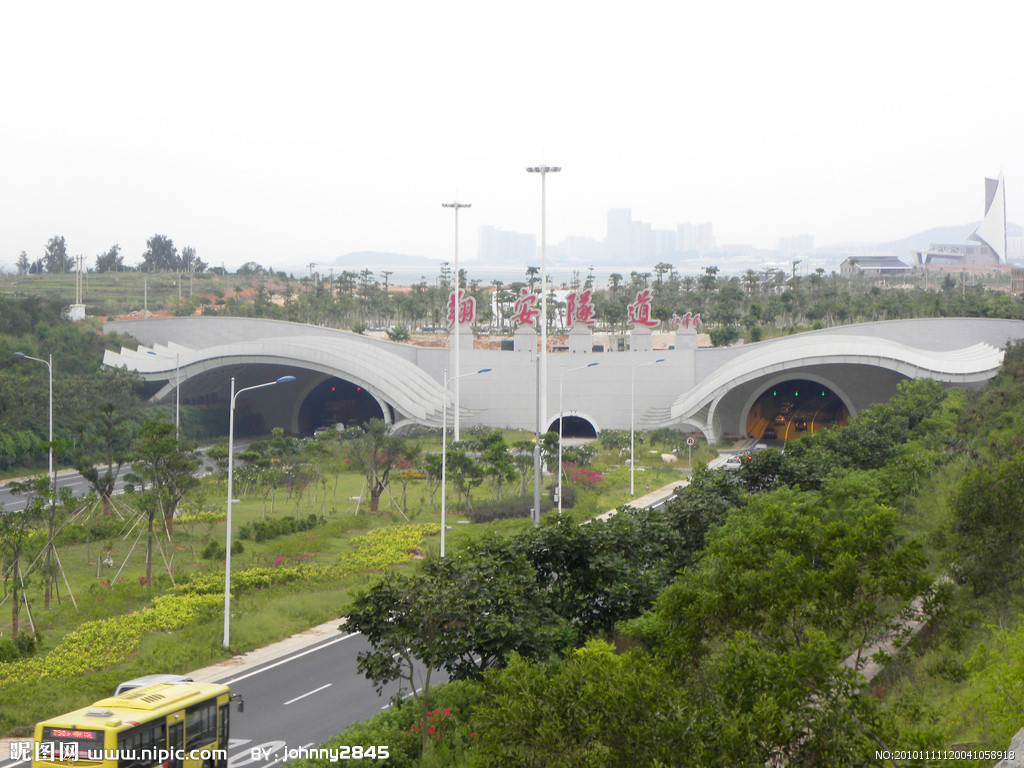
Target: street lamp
x=542, y=364
x=49, y=365
x=177, y=391
x=561, y=416
x=444, y=442
x=231, y=467
x=632, y=395
x=455, y=337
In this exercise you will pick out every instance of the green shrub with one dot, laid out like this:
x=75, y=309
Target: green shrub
x=518, y=506
x=275, y=527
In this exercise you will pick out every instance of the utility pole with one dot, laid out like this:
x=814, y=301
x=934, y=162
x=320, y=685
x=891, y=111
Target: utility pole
x=455, y=328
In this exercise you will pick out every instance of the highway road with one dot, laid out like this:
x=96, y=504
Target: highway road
x=67, y=478
x=296, y=701
x=301, y=700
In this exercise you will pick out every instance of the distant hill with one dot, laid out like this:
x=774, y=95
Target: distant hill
x=377, y=260
x=957, y=235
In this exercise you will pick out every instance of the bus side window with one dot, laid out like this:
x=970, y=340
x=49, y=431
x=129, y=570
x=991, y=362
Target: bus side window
x=224, y=732
x=200, y=724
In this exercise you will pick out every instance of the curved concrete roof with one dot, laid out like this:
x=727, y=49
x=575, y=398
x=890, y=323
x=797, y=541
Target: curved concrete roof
x=404, y=384
x=977, y=362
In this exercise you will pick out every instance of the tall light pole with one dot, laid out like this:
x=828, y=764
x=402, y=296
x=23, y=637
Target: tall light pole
x=455, y=337
x=49, y=457
x=542, y=357
x=231, y=473
x=561, y=417
x=177, y=391
x=632, y=397
x=49, y=366
x=444, y=443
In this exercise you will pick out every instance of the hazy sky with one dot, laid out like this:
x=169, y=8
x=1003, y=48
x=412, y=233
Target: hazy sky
x=290, y=132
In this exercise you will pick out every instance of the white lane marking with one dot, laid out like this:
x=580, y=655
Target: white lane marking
x=310, y=693
x=234, y=680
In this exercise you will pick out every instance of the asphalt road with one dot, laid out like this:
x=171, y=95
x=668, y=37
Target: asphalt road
x=79, y=486
x=301, y=700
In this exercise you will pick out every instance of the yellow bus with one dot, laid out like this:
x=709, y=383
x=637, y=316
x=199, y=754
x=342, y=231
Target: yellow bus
x=166, y=725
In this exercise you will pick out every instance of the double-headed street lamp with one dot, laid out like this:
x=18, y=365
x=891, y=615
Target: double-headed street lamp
x=455, y=330
x=542, y=364
x=444, y=442
x=632, y=397
x=49, y=365
x=561, y=418
x=231, y=467
x=177, y=391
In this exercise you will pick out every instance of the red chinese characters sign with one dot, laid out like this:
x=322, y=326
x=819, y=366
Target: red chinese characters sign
x=466, y=308
x=525, y=310
x=640, y=310
x=579, y=308
x=686, y=321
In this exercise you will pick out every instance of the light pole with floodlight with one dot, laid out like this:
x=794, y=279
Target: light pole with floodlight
x=561, y=416
x=231, y=467
x=455, y=330
x=632, y=397
x=49, y=459
x=542, y=364
x=177, y=391
x=444, y=443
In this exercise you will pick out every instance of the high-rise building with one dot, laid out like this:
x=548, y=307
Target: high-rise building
x=618, y=243
x=496, y=246
x=695, y=237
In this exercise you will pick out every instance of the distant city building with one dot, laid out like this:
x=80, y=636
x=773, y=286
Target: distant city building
x=1014, y=248
x=695, y=237
x=856, y=266
x=630, y=241
x=497, y=246
x=580, y=250
x=990, y=236
x=618, y=242
x=1017, y=281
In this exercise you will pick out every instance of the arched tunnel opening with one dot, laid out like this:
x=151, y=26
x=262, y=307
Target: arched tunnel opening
x=337, y=401
x=574, y=426
x=794, y=408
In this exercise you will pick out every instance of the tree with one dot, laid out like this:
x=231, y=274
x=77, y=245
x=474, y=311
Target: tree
x=375, y=453
x=789, y=564
x=989, y=537
x=190, y=262
x=166, y=468
x=498, y=463
x=464, y=614
x=464, y=471
x=161, y=255
x=16, y=527
x=23, y=264
x=56, y=258
x=111, y=261
x=592, y=709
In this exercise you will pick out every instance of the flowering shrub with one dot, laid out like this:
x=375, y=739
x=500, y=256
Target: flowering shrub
x=97, y=645
x=581, y=475
x=382, y=547
x=437, y=721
